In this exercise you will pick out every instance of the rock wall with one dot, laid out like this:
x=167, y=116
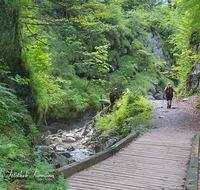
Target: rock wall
x=193, y=78
x=156, y=48
x=9, y=38
x=158, y=51
x=10, y=53
x=157, y=92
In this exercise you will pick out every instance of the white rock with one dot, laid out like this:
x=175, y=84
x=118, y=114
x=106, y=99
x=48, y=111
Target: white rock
x=78, y=135
x=60, y=149
x=68, y=139
x=67, y=135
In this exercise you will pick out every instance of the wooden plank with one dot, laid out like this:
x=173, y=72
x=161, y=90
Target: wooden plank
x=158, y=151
x=153, y=157
x=89, y=186
x=178, y=169
x=152, y=154
x=170, y=163
x=157, y=172
x=165, y=142
x=154, y=144
x=122, y=182
x=133, y=174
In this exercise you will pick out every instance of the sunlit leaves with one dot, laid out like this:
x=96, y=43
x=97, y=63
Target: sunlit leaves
x=185, y=19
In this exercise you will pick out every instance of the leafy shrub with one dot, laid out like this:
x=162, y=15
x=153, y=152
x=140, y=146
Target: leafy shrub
x=131, y=110
x=17, y=154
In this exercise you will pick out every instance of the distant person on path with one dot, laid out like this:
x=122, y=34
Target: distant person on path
x=113, y=96
x=116, y=94
x=169, y=94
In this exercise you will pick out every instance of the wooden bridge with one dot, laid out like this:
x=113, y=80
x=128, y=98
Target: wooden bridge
x=147, y=163
x=158, y=160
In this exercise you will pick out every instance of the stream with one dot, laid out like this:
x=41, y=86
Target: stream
x=63, y=141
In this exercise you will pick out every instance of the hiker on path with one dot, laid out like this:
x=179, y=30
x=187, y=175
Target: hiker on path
x=113, y=96
x=169, y=94
x=116, y=94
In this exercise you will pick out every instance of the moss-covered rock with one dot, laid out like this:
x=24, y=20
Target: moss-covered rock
x=10, y=53
x=9, y=38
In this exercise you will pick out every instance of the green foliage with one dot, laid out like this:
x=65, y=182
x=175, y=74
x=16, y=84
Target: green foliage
x=18, y=136
x=127, y=114
x=98, y=64
x=11, y=111
x=185, y=38
x=59, y=37
x=65, y=42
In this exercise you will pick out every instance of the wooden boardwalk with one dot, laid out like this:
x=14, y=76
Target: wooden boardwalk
x=148, y=162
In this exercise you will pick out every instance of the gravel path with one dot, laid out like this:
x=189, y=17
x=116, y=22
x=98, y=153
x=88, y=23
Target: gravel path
x=157, y=160
x=182, y=122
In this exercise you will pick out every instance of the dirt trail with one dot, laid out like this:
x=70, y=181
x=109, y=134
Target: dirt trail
x=158, y=159
x=178, y=123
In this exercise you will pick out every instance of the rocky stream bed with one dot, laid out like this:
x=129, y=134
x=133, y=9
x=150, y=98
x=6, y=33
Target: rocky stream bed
x=67, y=146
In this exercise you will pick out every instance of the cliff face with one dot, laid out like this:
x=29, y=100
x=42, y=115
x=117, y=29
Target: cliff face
x=10, y=54
x=193, y=79
x=9, y=37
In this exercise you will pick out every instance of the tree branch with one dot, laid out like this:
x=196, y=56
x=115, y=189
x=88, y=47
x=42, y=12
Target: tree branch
x=35, y=35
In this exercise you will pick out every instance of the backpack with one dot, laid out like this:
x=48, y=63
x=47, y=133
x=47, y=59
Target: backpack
x=169, y=89
x=112, y=96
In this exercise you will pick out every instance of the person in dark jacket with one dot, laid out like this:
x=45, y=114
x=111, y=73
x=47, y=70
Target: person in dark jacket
x=169, y=94
x=114, y=95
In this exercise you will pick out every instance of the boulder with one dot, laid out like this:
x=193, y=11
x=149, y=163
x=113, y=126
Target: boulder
x=61, y=160
x=65, y=154
x=78, y=135
x=52, y=147
x=153, y=91
x=60, y=149
x=70, y=148
x=83, y=141
x=112, y=141
x=158, y=96
x=150, y=96
x=157, y=91
x=152, y=82
x=53, y=155
x=68, y=139
x=65, y=134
